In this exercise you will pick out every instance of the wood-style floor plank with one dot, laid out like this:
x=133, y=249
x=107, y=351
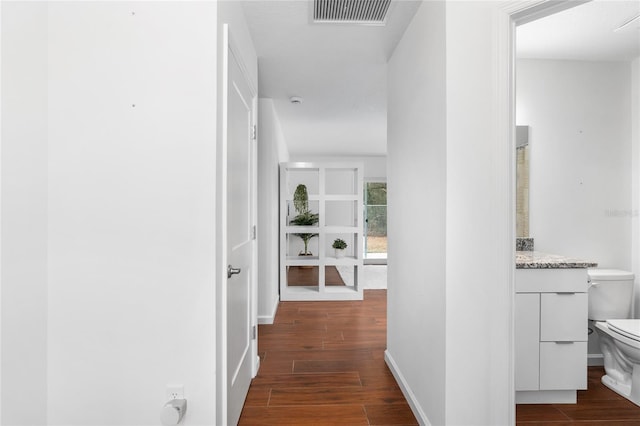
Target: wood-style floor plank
x=597, y=406
x=257, y=397
x=317, y=415
x=322, y=363
x=307, y=381
x=396, y=414
x=335, y=395
x=539, y=412
x=602, y=410
x=326, y=366
x=325, y=355
x=274, y=365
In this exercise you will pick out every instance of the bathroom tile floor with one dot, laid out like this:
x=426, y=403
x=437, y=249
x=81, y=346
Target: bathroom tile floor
x=598, y=405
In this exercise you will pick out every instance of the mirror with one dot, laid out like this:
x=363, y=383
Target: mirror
x=522, y=181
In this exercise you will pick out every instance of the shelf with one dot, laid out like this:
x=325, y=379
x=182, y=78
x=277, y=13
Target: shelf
x=336, y=194
x=342, y=180
x=328, y=197
x=292, y=229
x=339, y=290
x=338, y=197
x=300, y=294
x=342, y=213
x=302, y=260
x=347, y=260
x=342, y=230
x=301, y=174
x=312, y=197
x=304, y=290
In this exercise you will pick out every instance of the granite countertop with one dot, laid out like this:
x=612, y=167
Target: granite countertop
x=538, y=260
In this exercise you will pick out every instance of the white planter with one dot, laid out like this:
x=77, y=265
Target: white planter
x=339, y=253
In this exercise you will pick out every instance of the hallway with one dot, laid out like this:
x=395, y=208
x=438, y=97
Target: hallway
x=323, y=363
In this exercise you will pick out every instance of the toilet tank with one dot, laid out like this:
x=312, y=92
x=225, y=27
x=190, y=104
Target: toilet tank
x=610, y=294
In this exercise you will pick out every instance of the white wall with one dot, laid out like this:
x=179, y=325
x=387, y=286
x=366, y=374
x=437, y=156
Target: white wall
x=635, y=186
x=131, y=210
x=120, y=193
x=449, y=274
x=579, y=115
x=230, y=12
x=272, y=150
x=416, y=183
x=480, y=220
x=24, y=210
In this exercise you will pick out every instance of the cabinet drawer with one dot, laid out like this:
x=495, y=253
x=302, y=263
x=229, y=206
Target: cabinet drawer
x=563, y=317
x=563, y=366
x=551, y=280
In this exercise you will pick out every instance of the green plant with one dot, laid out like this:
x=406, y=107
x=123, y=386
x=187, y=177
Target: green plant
x=304, y=217
x=301, y=199
x=339, y=244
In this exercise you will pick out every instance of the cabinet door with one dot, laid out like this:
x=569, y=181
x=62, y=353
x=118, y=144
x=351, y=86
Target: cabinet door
x=563, y=317
x=563, y=365
x=527, y=352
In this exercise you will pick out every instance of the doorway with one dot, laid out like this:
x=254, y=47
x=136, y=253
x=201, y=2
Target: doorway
x=559, y=92
x=511, y=17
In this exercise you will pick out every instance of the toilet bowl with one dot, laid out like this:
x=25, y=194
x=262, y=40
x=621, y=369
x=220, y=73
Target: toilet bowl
x=610, y=295
x=621, y=358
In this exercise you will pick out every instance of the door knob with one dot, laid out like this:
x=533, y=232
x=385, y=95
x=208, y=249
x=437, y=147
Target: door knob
x=232, y=271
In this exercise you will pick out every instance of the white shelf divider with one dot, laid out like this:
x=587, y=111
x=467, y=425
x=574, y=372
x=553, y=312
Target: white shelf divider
x=346, y=206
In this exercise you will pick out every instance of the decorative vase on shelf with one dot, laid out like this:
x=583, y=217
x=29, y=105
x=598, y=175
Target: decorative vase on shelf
x=339, y=253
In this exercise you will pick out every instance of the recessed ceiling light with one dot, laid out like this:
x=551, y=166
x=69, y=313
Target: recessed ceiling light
x=296, y=100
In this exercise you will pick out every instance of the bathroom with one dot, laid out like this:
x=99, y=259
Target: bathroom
x=581, y=106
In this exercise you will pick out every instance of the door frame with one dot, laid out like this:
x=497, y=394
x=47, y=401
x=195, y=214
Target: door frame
x=509, y=15
x=229, y=46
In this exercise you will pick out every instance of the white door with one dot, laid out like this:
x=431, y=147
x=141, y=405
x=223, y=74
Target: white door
x=240, y=236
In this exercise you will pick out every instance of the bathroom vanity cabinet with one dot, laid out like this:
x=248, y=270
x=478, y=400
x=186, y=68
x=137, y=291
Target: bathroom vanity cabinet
x=551, y=326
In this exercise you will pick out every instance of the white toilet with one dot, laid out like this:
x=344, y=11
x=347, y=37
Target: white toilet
x=610, y=295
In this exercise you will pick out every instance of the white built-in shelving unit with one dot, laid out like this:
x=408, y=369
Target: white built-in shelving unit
x=335, y=193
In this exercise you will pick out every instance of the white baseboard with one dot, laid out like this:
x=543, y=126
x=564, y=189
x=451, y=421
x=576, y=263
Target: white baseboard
x=268, y=319
x=547, y=397
x=256, y=367
x=406, y=390
x=595, y=359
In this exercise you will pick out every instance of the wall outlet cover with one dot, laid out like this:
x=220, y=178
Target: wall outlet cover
x=175, y=392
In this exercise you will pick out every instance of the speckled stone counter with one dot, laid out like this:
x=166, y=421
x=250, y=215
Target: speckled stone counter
x=538, y=260
x=524, y=244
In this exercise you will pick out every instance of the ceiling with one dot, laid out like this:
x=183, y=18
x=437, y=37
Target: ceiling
x=340, y=71
x=584, y=32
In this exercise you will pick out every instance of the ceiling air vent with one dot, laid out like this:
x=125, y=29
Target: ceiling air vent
x=350, y=11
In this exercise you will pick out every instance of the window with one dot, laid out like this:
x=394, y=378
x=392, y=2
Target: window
x=375, y=223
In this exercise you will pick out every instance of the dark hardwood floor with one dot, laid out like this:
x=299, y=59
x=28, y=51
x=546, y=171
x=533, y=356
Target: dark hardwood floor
x=322, y=363
x=598, y=405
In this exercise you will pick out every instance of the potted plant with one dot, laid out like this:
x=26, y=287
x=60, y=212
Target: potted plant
x=339, y=245
x=304, y=217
